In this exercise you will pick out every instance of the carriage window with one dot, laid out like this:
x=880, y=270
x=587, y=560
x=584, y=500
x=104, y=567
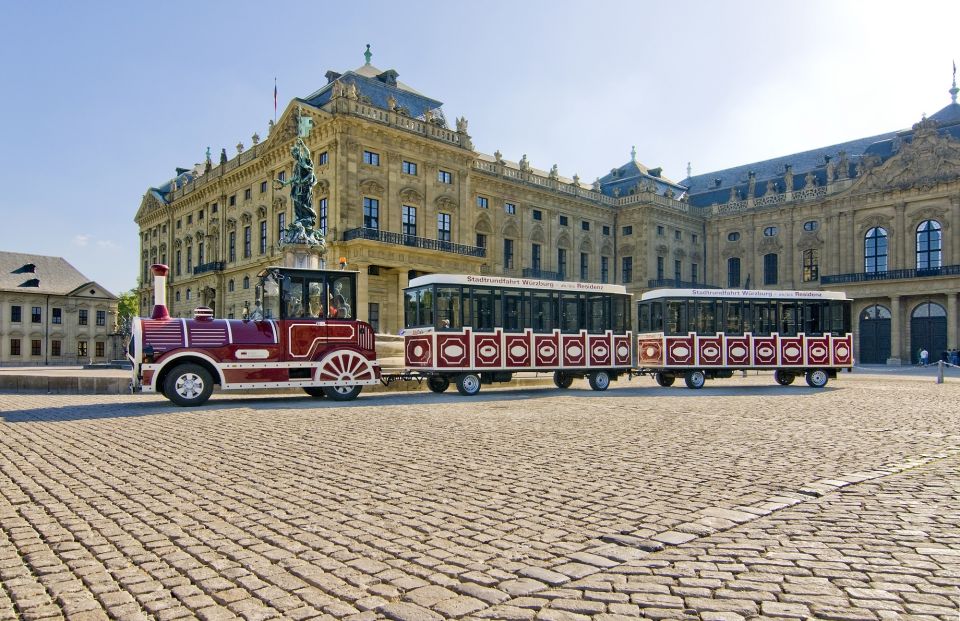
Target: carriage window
x=341, y=300
x=512, y=311
x=315, y=306
x=410, y=308
x=270, y=294
x=706, y=317
x=448, y=307
x=293, y=297
x=732, y=318
x=788, y=319
x=643, y=315
x=839, y=320
x=486, y=309
x=764, y=318
x=620, y=313
x=598, y=313
x=543, y=311
x=811, y=318
x=569, y=312
x=656, y=317
x=676, y=319
x=425, y=302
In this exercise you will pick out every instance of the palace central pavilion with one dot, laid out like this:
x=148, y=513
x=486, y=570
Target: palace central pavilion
x=400, y=192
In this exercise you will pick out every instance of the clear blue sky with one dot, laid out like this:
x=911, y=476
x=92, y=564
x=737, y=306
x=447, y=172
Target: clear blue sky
x=103, y=100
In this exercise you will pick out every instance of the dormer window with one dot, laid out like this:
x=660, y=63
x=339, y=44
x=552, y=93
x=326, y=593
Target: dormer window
x=27, y=268
x=33, y=282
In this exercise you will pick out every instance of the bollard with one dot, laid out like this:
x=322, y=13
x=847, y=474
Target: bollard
x=939, y=371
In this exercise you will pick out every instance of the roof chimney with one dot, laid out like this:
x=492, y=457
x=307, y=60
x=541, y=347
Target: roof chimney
x=160, y=291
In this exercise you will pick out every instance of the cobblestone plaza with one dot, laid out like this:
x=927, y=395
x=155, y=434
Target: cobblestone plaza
x=741, y=500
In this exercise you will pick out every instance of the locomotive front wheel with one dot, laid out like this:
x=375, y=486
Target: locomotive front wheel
x=438, y=383
x=468, y=384
x=817, y=378
x=562, y=380
x=695, y=379
x=663, y=379
x=315, y=391
x=342, y=393
x=784, y=378
x=188, y=385
x=599, y=380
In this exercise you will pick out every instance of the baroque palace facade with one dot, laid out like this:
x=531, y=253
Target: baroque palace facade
x=400, y=193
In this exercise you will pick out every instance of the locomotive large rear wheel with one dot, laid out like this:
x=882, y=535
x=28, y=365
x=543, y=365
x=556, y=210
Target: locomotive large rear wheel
x=468, y=384
x=342, y=393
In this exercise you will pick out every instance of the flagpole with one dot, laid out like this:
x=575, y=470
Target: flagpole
x=274, y=99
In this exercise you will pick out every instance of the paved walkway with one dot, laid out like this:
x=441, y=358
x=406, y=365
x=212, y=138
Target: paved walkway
x=738, y=500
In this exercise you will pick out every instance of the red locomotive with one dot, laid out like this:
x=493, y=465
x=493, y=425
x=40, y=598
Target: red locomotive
x=301, y=334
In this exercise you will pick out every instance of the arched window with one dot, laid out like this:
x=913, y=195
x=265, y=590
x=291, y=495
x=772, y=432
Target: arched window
x=230, y=285
x=176, y=296
x=733, y=272
x=811, y=265
x=928, y=309
x=246, y=282
x=875, y=312
x=188, y=294
x=928, y=245
x=875, y=250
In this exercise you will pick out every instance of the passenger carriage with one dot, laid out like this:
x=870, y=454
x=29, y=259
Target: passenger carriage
x=698, y=334
x=302, y=333
x=471, y=330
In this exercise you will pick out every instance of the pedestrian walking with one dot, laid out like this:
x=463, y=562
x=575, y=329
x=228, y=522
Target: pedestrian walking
x=924, y=357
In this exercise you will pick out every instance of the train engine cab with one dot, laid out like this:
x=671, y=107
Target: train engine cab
x=302, y=332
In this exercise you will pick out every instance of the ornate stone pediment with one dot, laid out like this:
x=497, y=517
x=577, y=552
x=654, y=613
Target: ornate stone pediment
x=662, y=248
x=696, y=255
x=200, y=235
x=809, y=240
x=926, y=160
x=279, y=203
x=483, y=224
x=586, y=244
x=930, y=213
x=730, y=250
x=679, y=253
x=511, y=231
x=371, y=187
x=626, y=250
x=563, y=241
x=262, y=211
x=246, y=218
x=606, y=248
x=768, y=245
x=231, y=224
x=445, y=202
x=322, y=187
x=536, y=234
x=177, y=243
x=188, y=239
x=874, y=221
x=410, y=195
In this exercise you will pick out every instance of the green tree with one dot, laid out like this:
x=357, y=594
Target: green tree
x=128, y=307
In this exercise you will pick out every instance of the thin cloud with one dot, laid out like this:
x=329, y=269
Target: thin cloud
x=107, y=243
x=81, y=240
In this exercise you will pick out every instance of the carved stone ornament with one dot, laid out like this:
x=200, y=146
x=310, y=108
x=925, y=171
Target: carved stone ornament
x=536, y=234
x=410, y=195
x=510, y=230
x=696, y=255
x=483, y=224
x=279, y=203
x=930, y=213
x=246, y=218
x=445, y=202
x=809, y=240
x=188, y=239
x=563, y=241
x=214, y=223
x=371, y=187
x=874, y=221
x=262, y=211
x=200, y=235
x=231, y=224
x=586, y=244
x=768, y=245
x=606, y=248
x=662, y=249
x=679, y=253
x=730, y=251
x=626, y=250
x=177, y=243
x=922, y=163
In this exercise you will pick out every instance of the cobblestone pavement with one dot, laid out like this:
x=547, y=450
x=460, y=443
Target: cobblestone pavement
x=740, y=500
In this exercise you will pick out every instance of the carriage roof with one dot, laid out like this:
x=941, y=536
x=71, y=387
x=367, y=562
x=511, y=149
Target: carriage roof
x=744, y=294
x=518, y=283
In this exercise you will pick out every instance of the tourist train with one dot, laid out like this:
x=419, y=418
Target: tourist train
x=470, y=330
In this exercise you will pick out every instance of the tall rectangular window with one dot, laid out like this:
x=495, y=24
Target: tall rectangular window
x=200, y=253
x=627, y=271
x=57, y=315
x=323, y=158
x=811, y=265
x=604, y=269
x=605, y=230
x=627, y=230
x=281, y=225
x=694, y=269
x=35, y=347
x=178, y=262
x=371, y=213
x=371, y=158
x=660, y=268
x=770, y=269
x=14, y=347
x=15, y=314
x=535, y=256
x=263, y=187
x=189, y=259
x=100, y=348
x=481, y=240
x=247, y=243
x=263, y=237
x=247, y=194
x=564, y=221
x=82, y=317
x=232, y=248
x=55, y=348
x=322, y=213
x=443, y=227
x=408, y=222
x=35, y=316
x=678, y=270
x=81, y=349
x=733, y=273
x=562, y=262
x=101, y=318
x=508, y=254
x=584, y=266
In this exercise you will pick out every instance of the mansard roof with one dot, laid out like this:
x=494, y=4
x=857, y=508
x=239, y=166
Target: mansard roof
x=377, y=86
x=634, y=176
x=34, y=273
x=949, y=115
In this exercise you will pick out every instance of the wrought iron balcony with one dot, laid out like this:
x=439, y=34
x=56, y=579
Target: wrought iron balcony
x=211, y=266
x=838, y=279
x=388, y=237
x=655, y=283
x=529, y=272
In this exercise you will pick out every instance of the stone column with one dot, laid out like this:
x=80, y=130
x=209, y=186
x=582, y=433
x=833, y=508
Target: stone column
x=951, y=320
x=902, y=239
x=951, y=252
x=895, y=319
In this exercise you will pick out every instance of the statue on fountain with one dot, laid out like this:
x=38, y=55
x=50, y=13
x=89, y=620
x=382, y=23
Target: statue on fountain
x=301, y=184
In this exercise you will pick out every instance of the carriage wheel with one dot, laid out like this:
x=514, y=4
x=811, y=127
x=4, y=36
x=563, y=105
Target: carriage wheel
x=695, y=379
x=438, y=383
x=784, y=378
x=468, y=384
x=663, y=379
x=599, y=380
x=562, y=380
x=315, y=391
x=817, y=378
